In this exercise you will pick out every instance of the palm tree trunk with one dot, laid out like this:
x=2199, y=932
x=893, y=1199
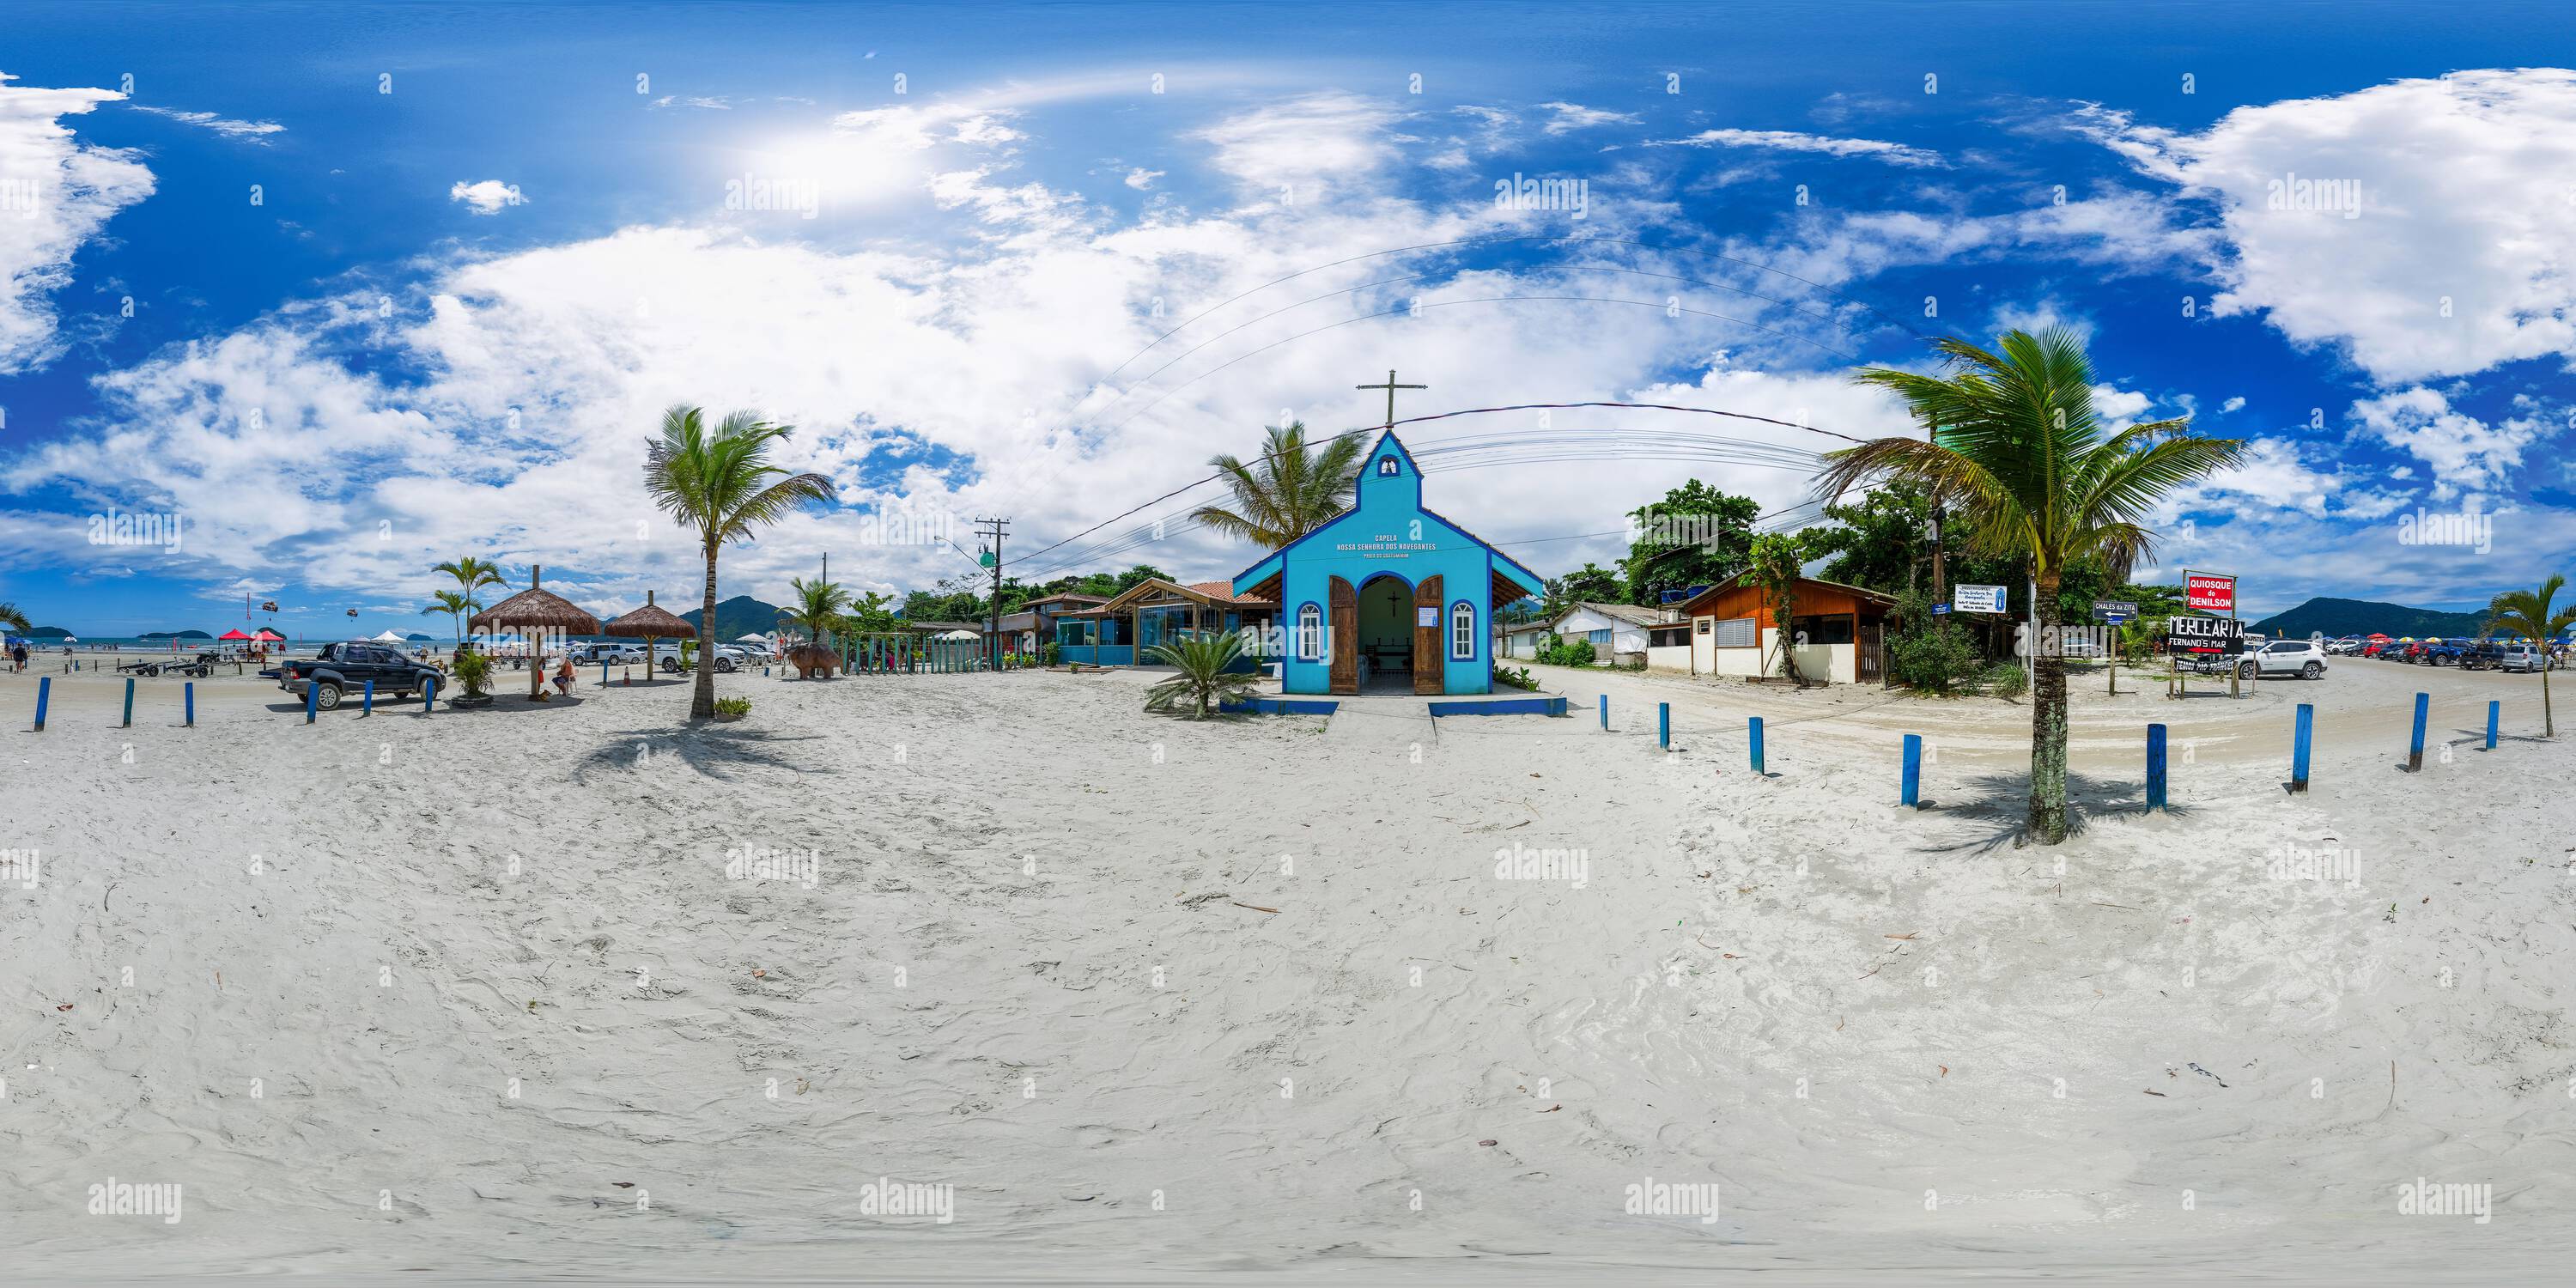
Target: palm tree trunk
x=703, y=705
x=2047, y=823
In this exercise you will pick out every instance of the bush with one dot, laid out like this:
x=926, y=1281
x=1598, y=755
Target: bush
x=1049, y=652
x=2006, y=680
x=1516, y=676
x=1560, y=651
x=1929, y=653
x=474, y=671
x=733, y=706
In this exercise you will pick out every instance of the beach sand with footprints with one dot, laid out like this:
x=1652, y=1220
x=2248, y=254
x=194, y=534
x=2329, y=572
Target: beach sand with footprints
x=580, y=987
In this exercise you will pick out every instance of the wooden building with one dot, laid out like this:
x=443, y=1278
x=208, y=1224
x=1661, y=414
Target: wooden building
x=1837, y=633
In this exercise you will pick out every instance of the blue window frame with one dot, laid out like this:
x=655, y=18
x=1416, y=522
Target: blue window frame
x=1600, y=637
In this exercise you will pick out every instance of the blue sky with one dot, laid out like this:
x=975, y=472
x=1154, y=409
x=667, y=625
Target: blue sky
x=457, y=307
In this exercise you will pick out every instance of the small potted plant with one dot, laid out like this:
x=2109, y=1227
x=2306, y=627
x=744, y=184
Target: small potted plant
x=474, y=671
x=731, y=709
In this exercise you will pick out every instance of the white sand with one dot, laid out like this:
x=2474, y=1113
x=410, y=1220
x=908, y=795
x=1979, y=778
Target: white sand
x=968, y=994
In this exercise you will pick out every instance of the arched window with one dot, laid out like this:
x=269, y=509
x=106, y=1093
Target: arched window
x=1310, y=633
x=1462, y=630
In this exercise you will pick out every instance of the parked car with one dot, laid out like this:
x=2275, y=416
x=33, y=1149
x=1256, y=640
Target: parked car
x=2377, y=648
x=339, y=668
x=2305, y=659
x=611, y=651
x=666, y=657
x=2345, y=647
x=2522, y=657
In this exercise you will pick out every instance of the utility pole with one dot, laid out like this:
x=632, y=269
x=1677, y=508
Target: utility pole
x=991, y=530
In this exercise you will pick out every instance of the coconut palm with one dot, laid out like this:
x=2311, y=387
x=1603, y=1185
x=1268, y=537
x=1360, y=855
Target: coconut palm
x=818, y=607
x=2027, y=470
x=1289, y=491
x=721, y=483
x=472, y=575
x=2526, y=613
x=1201, y=657
x=456, y=606
x=13, y=619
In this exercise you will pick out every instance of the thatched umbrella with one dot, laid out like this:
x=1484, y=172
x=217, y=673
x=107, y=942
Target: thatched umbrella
x=651, y=623
x=536, y=610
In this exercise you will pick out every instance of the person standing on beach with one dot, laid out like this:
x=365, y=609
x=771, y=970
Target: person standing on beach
x=18, y=656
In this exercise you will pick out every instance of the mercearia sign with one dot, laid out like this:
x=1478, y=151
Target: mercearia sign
x=2204, y=635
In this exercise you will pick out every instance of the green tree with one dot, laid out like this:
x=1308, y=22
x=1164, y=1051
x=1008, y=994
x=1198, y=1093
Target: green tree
x=721, y=483
x=1589, y=582
x=1203, y=681
x=2014, y=444
x=2527, y=613
x=1776, y=558
x=1695, y=536
x=817, y=608
x=456, y=606
x=1289, y=490
x=1883, y=542
x=472, y=575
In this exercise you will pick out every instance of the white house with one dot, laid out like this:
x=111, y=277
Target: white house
x=1617, y=632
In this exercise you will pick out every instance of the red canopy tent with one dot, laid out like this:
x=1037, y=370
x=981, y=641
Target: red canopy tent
x=233, y=634
x=2379, y=638
x=269, y=636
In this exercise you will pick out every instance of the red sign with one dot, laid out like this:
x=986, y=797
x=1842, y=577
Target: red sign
x=2209, y=593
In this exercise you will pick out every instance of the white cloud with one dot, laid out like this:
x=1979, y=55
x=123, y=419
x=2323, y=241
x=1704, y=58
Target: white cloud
x=1565, y=118
x=56, y=193
x=2235, y=404
x=1310, y=145
x=2463, y=452
x=247, y=131
x=1792, y=141
x=1141, y=178
x=2461, y=252
x=488, y=196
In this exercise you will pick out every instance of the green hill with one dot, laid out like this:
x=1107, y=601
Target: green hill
x=47, y=633
x=739, y=616
x=2339, y=617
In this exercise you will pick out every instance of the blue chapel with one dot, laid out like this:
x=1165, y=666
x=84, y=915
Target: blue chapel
x=1388, y=594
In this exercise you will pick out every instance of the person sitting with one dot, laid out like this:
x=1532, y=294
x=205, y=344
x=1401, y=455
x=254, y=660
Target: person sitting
x=563, y=676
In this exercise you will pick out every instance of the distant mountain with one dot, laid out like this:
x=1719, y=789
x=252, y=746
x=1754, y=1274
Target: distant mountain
x=48, y=633
x=739, y=616
x=174, y=635
x=2339, y=617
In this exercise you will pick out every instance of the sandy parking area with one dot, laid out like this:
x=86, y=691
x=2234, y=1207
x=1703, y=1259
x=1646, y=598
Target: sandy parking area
x=477, y=992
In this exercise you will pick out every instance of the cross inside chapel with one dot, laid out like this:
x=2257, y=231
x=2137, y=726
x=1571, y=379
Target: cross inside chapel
x=1390, y=387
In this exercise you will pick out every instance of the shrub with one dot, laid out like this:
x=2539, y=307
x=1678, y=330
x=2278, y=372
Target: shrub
x=1516, y=676
x=1928, y=652
x=733, y=706
x=1561, y=651
x=1203, y=681
x=474, y=671
x=2006, y=680
x=1050, y=652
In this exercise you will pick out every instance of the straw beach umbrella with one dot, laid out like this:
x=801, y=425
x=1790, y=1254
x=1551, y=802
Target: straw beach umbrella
x=535, y=609
x=651, y=622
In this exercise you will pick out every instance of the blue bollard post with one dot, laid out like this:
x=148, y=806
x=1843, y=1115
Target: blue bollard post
x=367, y=703
x=2495, y=711
x=129, y=707
x=429, y=697
x=1664, y=725
x=2299, y=746
x=44, y=695
x=1912, y=788
x=2415, y=748
x=312, y=699
x=1757, y=744
x=191, y=688
x=1605, y=713
x=603, y=672
x=2156, y=784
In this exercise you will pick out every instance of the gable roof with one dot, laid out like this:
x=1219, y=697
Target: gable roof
x=1534, y=584
x=1629, y=613
x=1691, y=606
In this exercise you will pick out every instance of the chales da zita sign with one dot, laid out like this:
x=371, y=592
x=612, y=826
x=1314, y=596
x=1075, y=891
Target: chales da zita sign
x=2204, y=635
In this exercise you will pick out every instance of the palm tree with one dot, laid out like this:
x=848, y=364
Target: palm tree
x=820, y=608
x=2015, y=450
x=1289, y=491
x=2526, y=613
x=13, y=619
x=472, y=575
x=456, y=606
x=720, y=482
x=1203, y=681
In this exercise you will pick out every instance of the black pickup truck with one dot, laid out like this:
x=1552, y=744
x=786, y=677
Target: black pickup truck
x=341, y=668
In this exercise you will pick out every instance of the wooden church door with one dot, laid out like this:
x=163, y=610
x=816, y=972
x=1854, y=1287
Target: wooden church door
x=1345, y=618
x=1429, y=673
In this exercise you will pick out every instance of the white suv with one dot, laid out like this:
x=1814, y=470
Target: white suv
x=2305, y=659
